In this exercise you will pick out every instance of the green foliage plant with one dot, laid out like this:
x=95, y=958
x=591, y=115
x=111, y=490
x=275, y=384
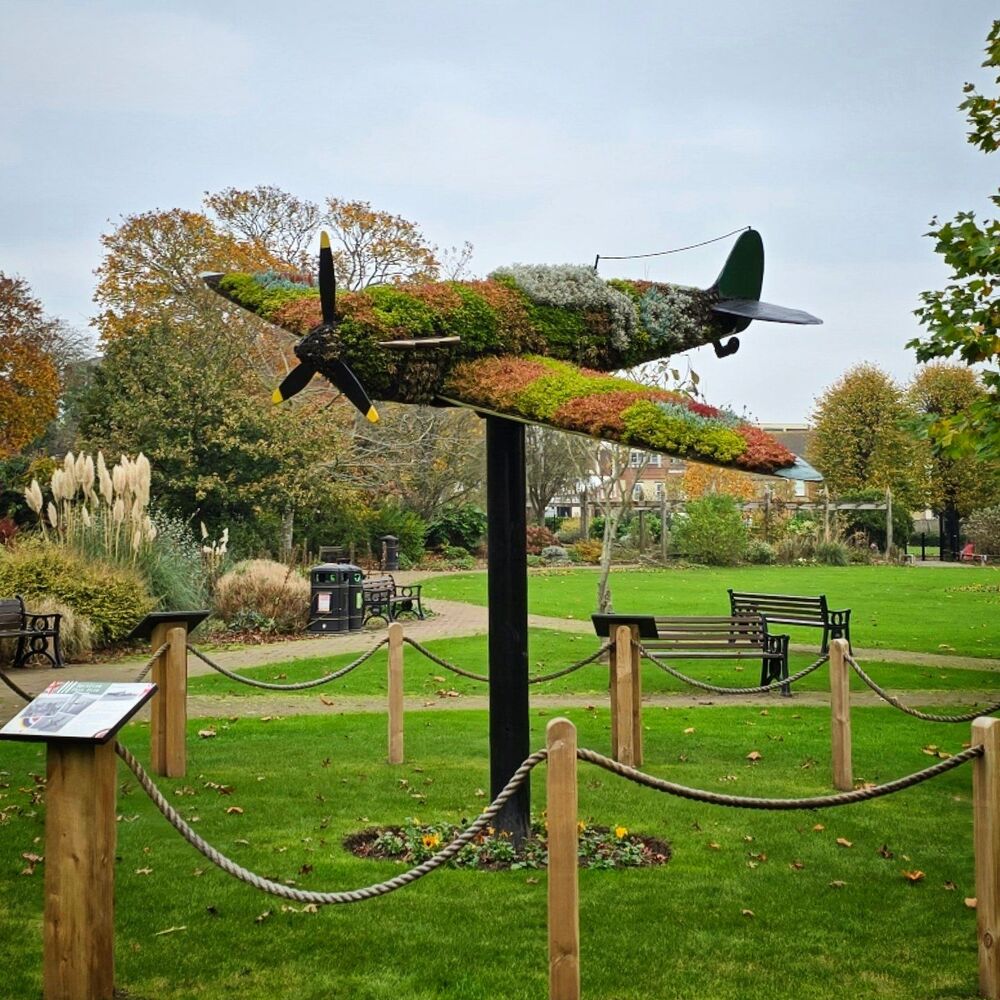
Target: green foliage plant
x=833, y=553
x=963, y=319
x=713, y=531
x=463, y=525
x=406, y=525
x=760, y=553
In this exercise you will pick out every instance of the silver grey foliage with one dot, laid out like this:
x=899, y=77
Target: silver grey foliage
x=577, y=287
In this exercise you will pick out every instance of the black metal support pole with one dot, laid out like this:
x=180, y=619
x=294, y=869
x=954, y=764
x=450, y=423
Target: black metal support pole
x=507, y=578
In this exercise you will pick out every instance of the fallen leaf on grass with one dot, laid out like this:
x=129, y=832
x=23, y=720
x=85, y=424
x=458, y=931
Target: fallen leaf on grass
x=689, y=730
x=170, y=930
x=837, y=884
x=844, y=842
x=438, y=679
x=818, y=827
x=531, y=881
x=326, y=700
x=714, y=846
x=261, y=917
x=144, y=871
x=914, y=876
x=885, y=852
x=970, y=902
x=755, y=755
x=747, y=913
x=797, y=865
x=234, y=811
x=206, y=734
x=949, y=886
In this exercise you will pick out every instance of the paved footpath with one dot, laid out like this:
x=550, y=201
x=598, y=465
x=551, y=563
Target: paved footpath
x=451, y=619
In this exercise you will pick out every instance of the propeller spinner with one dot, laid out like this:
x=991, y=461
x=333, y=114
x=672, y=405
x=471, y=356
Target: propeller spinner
x=339, y=372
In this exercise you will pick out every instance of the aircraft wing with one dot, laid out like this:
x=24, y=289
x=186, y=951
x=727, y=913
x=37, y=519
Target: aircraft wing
x=541, y=390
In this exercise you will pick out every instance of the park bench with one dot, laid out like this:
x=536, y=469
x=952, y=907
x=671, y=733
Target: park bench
x=383, y=598
x=31, y=631
x=783, y=609
x=741, y=637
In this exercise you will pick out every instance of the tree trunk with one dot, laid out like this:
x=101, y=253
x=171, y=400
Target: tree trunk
x=287, y=529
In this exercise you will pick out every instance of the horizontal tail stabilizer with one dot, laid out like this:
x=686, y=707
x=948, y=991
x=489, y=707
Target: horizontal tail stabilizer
x=751, y=309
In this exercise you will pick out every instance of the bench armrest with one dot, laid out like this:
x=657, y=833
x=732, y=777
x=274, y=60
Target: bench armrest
x=41, y=622
x=409, y=590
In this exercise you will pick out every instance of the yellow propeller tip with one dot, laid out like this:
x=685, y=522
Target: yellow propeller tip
x=276, y=397
x=324, y=241
x=372, y=414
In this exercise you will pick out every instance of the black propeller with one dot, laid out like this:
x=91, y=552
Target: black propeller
x=338, y=372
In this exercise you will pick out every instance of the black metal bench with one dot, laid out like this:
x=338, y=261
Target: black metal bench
x=785, y=609
x=32, y=632
x=741, y=637
x=383, y=598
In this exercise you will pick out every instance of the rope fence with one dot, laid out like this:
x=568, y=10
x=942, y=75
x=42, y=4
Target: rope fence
x=916, y=713
x=141, y=676
x=295, y=685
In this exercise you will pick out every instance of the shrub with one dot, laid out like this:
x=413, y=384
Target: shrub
x=833, y=553
x=760, y=553
x=982, y=528
x=569, y=530
x=796, y=548
x=455, y=557
x=554, y=524
x=533, y=560
x=597, y=527
x=713, y=531
x=463, y=526
x=406, y=525
x=113, y=598
x=555, y=554
x=588, y=550
x=268, y=590
x=538, y=538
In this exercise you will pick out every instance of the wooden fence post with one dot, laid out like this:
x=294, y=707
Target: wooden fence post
x=79, y=954
x=840, y=716
x=563, y=887
x=622, y=722
x=395, y=693
x=635, y=664
x=168, y=709
x=986, y=835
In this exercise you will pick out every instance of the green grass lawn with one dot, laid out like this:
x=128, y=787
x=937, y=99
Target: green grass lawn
x=824, y=920
x=893, y=607
x=551, y=650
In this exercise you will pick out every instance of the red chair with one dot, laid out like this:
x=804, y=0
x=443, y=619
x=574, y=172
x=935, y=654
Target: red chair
x=968, y=554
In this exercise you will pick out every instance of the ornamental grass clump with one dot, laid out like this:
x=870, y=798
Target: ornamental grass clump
x=263, y=591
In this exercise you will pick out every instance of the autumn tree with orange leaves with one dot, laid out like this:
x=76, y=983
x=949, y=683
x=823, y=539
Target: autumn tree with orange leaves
x=29, y=371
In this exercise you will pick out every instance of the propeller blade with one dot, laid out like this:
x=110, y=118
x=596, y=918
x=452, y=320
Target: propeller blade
x=295, y=381
x=347, y=382
x=327, y=281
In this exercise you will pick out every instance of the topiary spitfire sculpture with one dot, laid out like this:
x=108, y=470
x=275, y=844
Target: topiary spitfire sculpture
x=534, y=344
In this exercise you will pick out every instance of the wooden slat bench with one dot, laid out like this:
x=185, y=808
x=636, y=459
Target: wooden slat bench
x=32, y=632
x=386, y=599
x=740, y=637
x=786, y=609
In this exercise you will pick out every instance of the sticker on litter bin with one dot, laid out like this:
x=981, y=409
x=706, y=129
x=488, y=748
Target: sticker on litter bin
x=323, y=604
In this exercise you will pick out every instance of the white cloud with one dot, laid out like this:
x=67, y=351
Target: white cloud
x=92, y=57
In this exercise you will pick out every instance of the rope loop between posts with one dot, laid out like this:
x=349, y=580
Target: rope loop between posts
x=329, y=898
x=149, y=663
x=541, y=679
x=295, y=686
x=716, y=689
x=749, y=802
x=916, y=713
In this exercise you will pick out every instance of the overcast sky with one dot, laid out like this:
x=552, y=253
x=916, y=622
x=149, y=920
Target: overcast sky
x=542, y=132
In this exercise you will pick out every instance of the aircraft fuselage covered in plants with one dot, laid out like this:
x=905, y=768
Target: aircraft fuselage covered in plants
x=532, y=343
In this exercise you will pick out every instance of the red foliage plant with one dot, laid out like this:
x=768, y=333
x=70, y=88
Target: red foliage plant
x=493, y=381
x=601, y=413
x=299, y=315
x=763, y=453
x=539, y=537
x=8, y=529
